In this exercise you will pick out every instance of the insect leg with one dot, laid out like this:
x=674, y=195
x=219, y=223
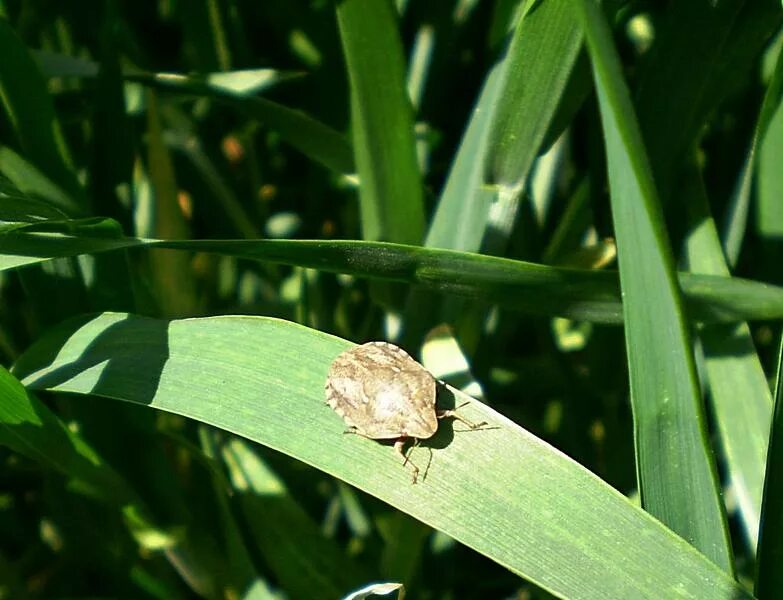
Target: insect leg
x=399, y=446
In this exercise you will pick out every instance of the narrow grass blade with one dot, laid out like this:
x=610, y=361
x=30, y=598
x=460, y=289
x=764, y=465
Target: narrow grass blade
x=377, y=589
x=465, y=201
x=222, y=194
x=204, y=34
x=675, y=465
x=112, y=142
x=404, y=539
x=392, y=202
x=239, y=82
x=500, y=490
x=242, y=573
x=170, y=271
x=740, y=396
x=734, y=228
x=312, y=138
x=541, y=59
x=769, y=218
x=582, y=294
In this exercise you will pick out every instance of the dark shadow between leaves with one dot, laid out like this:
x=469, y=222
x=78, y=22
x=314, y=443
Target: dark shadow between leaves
x=724, y=340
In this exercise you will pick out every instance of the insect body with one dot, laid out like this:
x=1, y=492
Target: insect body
x=383, y=394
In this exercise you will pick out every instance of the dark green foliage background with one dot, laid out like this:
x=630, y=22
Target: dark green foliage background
x=674, y=151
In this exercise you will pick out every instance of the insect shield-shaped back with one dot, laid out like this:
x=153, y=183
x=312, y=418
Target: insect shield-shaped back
x=382, y=393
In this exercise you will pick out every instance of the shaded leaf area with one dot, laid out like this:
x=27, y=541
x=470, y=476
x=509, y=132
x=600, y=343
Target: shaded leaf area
x=31, y=111
x=688, y=75
x=250, y=376
x=770, y=548
x=313, y=138
x=31, y=429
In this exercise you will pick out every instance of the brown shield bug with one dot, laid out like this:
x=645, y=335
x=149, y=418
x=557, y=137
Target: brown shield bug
x=383, y=394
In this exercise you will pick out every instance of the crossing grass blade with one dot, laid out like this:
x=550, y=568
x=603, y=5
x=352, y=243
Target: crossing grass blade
x=532, y=288
x=278, y=524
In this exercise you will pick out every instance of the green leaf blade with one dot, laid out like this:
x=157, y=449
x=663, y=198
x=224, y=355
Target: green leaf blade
x=263, y=379
x=739, y=392
x=584, y=294
x=392, y=202
x=675, y=465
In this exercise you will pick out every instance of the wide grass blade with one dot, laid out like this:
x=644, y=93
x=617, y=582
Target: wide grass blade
x=675, y=465
x=499, y=490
